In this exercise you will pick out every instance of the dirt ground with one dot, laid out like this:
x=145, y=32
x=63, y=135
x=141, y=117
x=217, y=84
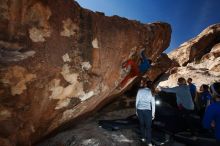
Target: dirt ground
x=88, y=133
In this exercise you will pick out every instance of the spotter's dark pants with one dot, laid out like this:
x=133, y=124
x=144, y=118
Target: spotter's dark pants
x=145, y=119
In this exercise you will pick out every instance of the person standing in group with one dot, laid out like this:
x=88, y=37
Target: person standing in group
x=192, y=88
x=205, y=99
x=183, y=95
x=184, y=101
x=212, y=113
x=145, y=106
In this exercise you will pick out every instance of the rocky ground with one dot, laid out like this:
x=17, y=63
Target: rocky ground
x=88, y=133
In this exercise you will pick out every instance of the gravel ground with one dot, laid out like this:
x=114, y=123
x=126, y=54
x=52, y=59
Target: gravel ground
x=88, y=133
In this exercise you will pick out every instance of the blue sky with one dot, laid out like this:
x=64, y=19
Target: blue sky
x=187, y=17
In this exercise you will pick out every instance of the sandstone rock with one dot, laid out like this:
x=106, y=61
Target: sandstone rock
x=162, y=64
x=64, y=62
x=195, y=48
x=199, y=75
x=69, y=28
x=5, y=142
x=17, y=77
x=214, y=53
x=205, y=69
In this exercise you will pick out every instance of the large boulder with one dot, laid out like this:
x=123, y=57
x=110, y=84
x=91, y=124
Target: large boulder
x=60, y=63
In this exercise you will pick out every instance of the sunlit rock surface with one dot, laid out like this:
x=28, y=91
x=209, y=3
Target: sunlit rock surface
x=60, y=63
x=195, y=48
x=204, y=68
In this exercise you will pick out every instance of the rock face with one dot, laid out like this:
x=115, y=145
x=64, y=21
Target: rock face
x=161, y=65
x=205, y=68
x=60, y=63
x=195, y=48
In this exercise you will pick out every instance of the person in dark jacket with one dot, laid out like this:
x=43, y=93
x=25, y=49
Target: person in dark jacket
x=212, y=114
x=192, y=88
x=205, y=99
x=145, y=63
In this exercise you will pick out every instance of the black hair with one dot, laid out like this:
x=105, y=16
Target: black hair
x=189, y=79
x=143, y=82
x=216, y=88
x=205, y=87
x=150, y=61
x=181, y=80
x=151, y=86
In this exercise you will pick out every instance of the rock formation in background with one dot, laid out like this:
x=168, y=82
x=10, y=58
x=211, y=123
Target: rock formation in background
x=60, y=62
x=195, y=48
x=198, y=58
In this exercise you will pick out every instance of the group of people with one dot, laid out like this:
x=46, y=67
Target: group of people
x=206, y=103
x=211, y=117
x=187, y=99
x=201, y=100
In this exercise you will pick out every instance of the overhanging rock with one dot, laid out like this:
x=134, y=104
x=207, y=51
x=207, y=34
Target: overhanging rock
x=60, y=62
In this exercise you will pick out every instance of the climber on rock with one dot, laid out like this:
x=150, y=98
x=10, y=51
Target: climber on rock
x=145, y=63
x=132, y=68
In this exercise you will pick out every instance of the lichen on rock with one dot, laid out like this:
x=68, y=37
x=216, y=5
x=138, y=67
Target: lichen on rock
x=95, y=43
x=69, y=28
x=72, y=90
x=39, y=14
x=5, y=114
x=68, y=76
x=63, y=93
x=17, y=77
x=4, y=9
x=86, y=66
x=39, y=34
x=66, y=58
x=56, y=89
